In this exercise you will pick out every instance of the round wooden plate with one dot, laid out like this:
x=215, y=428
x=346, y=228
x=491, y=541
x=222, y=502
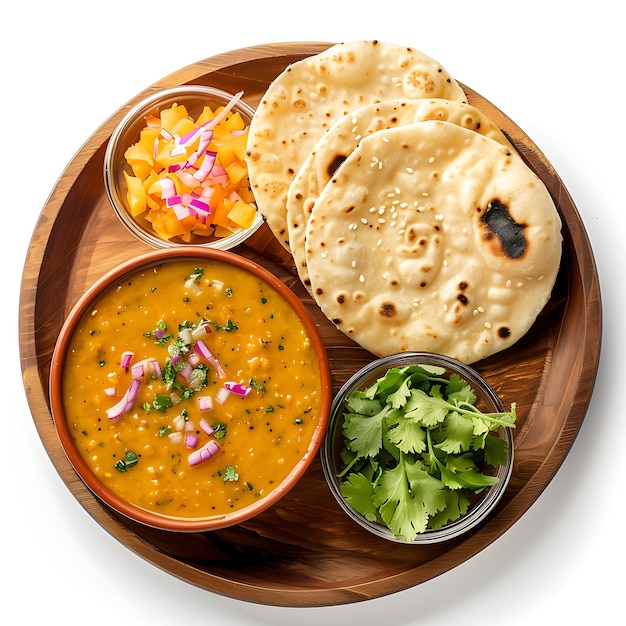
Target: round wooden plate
x=305, y=551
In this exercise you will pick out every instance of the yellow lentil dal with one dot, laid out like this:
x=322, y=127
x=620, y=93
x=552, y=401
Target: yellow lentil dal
x=258, y=340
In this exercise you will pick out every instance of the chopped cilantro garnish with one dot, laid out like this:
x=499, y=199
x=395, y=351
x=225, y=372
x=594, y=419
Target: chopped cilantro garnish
x=256, y=385
x=229, y=327
x=130, y=459
x=230, y=474
x=161, y=402
x=196, y=274
x=220, y=431
x=164, y=431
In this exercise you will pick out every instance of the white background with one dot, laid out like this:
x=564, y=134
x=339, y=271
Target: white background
x=555, y=68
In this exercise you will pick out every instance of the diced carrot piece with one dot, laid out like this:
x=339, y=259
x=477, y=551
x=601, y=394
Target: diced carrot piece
x=136, y=195
x=239, y=144
x=232, y=121
x=225, y=152
x=183, y=126
x=246, y=194
x=206, y=116
x=148, y=136
x=220, y=216
x=171, y=116
x=223, y=231
x=242, y=214
x=236, y=171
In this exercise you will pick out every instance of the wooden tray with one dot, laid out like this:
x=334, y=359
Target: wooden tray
x=304, y=551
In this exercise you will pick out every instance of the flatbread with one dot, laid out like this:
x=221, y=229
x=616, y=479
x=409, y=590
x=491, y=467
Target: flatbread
x=308, y=96
x=343, y=137
x=433, y=237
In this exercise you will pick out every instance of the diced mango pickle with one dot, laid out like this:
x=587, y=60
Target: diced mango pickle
x=242, y=214
x=224, y=191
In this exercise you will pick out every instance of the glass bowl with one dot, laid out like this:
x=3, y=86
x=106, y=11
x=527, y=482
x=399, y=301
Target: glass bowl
x=127, y=133
x=487, y=401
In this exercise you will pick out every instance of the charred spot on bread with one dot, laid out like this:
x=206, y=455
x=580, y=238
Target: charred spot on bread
x=387, y=309
x=510, y=234
x=335, y=164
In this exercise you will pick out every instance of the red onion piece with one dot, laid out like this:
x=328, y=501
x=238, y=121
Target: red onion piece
x=238, y=388
x=207, y=165
x=185, y=372
x=126, y=403
x=191, y=441
x=202, y=349
x=126, y=359
x=168, y=188
x=205, y=403
x=159, y=333
x=204, y=453
x=221, y=395
x=206, y=427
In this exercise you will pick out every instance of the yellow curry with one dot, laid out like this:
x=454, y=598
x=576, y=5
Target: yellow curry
x=192, y=389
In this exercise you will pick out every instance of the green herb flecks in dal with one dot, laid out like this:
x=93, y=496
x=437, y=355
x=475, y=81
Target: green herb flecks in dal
x=416, y=447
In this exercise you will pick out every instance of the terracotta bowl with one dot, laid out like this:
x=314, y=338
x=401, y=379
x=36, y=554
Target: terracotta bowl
x=335, y=442
x=127, y=133
x=81, y=442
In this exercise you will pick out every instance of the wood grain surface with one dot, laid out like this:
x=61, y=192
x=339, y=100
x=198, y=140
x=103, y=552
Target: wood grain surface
x=305, y=551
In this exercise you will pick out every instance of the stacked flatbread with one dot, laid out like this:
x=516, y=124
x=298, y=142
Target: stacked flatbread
x=304, y=101
x=411, y=218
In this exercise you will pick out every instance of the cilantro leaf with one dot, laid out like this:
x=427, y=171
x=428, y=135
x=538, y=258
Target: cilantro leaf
x=406, y=496
x=364, y=433
x=457, y=505
x=496, y=451
x=467, y=474
x=455, y=434
x=425, y=409
x=358, y=491
x=358, y=402
x=405, y=434
x=398, y=398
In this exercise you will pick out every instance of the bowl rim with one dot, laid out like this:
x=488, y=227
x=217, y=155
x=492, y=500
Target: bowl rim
x=371, y=372
x=110, y=173
x=109, y=497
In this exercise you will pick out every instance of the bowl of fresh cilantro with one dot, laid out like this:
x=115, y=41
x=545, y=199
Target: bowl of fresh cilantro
x=419, y=448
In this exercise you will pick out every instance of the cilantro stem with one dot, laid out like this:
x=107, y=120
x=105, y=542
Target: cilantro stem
x=506, y=419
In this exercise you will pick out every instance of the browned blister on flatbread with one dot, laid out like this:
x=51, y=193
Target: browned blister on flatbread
x=345, y=134
x=302, y=103
x=433, y=237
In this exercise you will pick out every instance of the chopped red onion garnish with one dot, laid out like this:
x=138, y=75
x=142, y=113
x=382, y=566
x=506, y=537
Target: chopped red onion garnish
x=159, y=333
x=126, y=360
x=201, y=348
x=191, y=441
x=206, y=427
x=126, y=403
x=207, y=165
x=221, y=395
x=204, y=453
x=205, y=403
x=238, y=388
